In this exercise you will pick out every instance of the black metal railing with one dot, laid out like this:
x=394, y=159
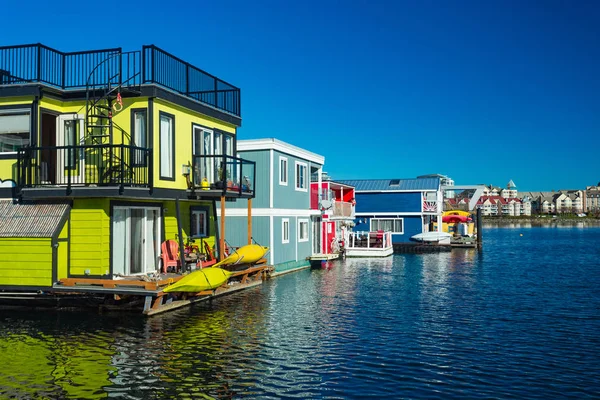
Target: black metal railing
x=85, y=165
x=171, y=72
x=222, y=172
x=39, y=63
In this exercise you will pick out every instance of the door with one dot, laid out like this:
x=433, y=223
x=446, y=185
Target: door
x=70, y=158
x=135, y=240
x=316, y=231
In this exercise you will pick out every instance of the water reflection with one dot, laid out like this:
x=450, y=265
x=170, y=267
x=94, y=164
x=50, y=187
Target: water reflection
x=517, y=318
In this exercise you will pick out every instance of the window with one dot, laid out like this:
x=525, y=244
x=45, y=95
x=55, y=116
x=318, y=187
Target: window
x=14, y=129
x=285, y=230
x=139, y=137
x=301, y=176
x=394, y=225
x=208, y=143
x=198, y=222
x=167, y=146
x=303, y=230
x=283, y=171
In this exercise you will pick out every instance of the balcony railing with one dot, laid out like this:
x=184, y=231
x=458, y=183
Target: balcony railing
x=224, y=173
x=42, y=64
x=342, y=209
x=85, y=165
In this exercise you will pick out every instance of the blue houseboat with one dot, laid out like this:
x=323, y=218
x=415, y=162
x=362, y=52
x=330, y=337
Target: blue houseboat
x=282, y=218
x=405, y=207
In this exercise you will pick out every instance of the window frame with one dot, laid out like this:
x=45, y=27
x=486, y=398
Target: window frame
x=134, y=112
x=283, y=182
x=19, y=109
x=285, y=230
x=394, y=219
x=300, y=223
x=304, y=166
x=162, y=152
x=199, y=210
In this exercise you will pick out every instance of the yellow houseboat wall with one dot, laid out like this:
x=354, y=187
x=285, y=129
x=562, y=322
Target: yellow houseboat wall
x=170, y=221
x=183, y=120
x=26, y=261
x=90, y=237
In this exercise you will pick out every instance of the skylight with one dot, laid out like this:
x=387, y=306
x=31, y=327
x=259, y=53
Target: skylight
x=395, y=182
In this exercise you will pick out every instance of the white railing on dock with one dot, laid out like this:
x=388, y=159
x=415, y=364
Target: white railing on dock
x=369, y=240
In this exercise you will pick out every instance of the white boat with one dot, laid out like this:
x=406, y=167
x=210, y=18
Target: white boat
x=438, y=237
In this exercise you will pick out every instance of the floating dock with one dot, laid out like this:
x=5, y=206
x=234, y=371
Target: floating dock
x=132, y=293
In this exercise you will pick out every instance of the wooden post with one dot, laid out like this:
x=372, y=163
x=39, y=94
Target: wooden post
x=479, y=228
x=222, y=239
x=180, y=234
x=250, y=221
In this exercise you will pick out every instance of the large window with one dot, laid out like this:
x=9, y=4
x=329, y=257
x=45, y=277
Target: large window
x=199, y=222
x=283, y=171
x=394, y=225
x=14, y=129
x=285, y=230
x=167, y=146
x=301, y=177
x=139, y=136
x=210, y=145
x=303, y=230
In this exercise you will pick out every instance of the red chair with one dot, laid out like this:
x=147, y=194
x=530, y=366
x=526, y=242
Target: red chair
x=170, y=255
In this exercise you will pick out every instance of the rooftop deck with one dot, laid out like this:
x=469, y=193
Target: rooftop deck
x=84, y=70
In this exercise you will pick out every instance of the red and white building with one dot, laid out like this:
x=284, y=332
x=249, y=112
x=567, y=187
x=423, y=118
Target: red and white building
x=336, y=201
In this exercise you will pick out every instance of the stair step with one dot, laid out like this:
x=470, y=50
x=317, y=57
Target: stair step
x=99, y=116
x=98, y=126
x=101, y=106
x=97, y=136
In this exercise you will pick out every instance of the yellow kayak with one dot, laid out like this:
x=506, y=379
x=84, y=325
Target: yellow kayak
x=457, y=212
x=197, y=281
x=247, y=254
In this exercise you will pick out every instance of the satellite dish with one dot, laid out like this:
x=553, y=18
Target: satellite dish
x=326, y=204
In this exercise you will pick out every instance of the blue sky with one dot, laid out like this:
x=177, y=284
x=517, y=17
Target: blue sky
x=483, y=92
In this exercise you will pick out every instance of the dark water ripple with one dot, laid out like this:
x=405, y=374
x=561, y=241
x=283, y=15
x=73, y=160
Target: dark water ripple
x=520, y=319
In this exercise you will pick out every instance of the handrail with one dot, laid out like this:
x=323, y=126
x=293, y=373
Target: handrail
x=39, y=63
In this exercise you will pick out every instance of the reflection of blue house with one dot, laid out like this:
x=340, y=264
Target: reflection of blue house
x=405, y=207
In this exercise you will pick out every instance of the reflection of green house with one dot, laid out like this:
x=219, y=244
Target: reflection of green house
x=108, y=154
x=53, y=368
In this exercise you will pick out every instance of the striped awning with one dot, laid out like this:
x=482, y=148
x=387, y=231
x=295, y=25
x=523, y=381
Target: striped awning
x=30, y=219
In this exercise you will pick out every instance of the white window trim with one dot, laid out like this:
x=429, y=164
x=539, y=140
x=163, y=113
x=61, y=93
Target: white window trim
x=394, y=219
x=18, y=111
x=305, y=165
x=300, y=222
x=205, y=223
x=281, y=181
x=285, y=221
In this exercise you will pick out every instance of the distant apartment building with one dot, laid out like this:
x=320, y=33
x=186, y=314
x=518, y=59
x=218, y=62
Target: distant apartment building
x=561, y=202
x=592, y=199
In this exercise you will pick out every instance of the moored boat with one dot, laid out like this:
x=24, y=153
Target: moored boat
x=202, y=279
x=247, y=254
x=433, y=237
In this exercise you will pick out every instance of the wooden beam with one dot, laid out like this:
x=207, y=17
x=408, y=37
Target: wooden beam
x=250, y=221
x=222, y=239
x=180, y=233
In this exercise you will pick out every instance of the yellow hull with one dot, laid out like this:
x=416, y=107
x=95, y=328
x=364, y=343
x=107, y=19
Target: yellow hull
x=197, y=281
x=457, y=212
x=245, y=255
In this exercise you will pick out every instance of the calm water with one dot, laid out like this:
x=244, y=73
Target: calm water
x=521, y=319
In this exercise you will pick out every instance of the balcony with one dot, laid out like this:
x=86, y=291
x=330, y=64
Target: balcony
x=36, y=63
x=342, y=209
x=230, y=176
x=84, y=166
